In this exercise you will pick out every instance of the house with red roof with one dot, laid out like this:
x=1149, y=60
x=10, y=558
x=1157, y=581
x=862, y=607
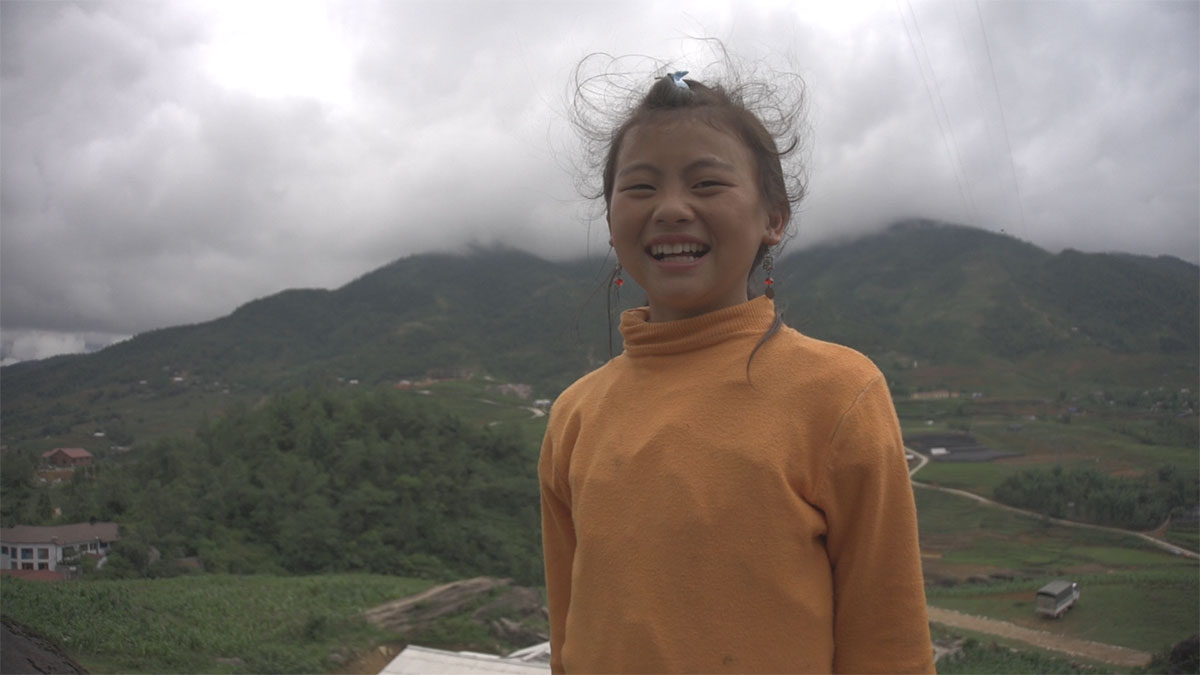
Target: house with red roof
x=67, y=457
x=26, y=547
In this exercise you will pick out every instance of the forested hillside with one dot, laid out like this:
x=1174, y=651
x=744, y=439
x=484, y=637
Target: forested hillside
x=310, y=482
x=963, y=297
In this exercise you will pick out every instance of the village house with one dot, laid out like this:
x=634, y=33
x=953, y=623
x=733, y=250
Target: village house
x=67, y=457
x=26, y=547
x=934, y=395
x=521, y=391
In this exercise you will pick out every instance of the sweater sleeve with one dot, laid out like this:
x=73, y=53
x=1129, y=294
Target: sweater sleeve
x=880, y=621
x=558, y=544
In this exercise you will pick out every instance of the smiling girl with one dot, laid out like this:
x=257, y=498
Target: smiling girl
x=727, y=495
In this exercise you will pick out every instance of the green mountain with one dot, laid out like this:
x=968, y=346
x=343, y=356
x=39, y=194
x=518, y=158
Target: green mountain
x=978, y=310
x=935, y=305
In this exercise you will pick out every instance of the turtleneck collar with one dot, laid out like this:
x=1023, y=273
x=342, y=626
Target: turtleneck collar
x=644, y=338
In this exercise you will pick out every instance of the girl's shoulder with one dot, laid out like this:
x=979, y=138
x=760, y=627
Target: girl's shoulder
x=589, y=386
x=808, y=362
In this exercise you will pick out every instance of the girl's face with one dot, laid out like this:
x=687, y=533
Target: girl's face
x=687, y=218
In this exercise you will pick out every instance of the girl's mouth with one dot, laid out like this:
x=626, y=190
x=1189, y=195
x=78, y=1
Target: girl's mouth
x=677, y=253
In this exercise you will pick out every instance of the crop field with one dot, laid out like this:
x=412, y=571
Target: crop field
x=1114, y=446
x=207, y=623
x=1132, y=595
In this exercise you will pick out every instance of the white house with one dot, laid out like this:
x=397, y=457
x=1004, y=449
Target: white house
x=26, y=547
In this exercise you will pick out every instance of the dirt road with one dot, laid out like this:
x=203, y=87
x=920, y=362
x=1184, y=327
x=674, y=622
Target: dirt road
x=1159, y=543
x=1118, y=656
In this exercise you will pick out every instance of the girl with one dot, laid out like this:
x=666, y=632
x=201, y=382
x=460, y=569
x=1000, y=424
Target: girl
x=727, y=495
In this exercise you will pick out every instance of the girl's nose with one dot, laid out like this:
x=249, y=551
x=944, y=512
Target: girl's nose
x=673, y=208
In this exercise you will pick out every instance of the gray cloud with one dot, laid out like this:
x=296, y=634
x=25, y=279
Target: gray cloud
x=141, y=189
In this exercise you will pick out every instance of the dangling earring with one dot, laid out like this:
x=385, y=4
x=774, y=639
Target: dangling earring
x=768, y=265
x=617, y=283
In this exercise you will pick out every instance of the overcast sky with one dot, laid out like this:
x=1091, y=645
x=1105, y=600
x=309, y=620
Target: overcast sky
x=162, y=163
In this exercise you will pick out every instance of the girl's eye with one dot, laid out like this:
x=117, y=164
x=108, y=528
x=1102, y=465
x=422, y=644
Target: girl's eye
x=708, y=184
x=637, y=186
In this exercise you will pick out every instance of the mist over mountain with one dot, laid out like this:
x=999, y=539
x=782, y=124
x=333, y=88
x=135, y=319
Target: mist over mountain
x=935, y=305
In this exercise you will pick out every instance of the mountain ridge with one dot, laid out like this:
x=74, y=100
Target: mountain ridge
x=934, y=304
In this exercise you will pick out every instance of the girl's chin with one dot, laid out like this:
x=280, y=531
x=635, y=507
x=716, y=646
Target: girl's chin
x=671, y=306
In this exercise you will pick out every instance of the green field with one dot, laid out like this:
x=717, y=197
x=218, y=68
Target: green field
x=1147, y=611
x=1132, y=595
x=1102, y=443
x=207, y=623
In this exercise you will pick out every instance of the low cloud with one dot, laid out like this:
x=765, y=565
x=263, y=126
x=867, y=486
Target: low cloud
x=148, y=183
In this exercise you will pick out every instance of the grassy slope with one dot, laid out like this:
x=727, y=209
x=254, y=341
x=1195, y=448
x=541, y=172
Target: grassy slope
x=1131, y=595
x=184, y=624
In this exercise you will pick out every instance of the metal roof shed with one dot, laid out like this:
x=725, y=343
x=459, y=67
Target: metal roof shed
x=416, y=660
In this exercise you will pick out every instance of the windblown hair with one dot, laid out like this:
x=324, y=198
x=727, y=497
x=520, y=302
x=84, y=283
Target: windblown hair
x=766, y=115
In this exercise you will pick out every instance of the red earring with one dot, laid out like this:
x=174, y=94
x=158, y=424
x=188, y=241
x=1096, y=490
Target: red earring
x=768, y=264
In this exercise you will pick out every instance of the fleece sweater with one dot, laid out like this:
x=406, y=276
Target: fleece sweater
x=703, y=516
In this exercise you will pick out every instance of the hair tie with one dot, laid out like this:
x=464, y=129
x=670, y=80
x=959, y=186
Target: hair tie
x=677, y=78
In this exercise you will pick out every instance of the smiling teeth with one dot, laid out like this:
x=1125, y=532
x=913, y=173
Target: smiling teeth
x=658, y=250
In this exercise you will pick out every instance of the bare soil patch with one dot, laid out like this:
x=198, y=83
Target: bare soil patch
x=1118, y=656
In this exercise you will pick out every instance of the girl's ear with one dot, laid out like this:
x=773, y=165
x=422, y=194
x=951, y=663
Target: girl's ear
x=776, y=224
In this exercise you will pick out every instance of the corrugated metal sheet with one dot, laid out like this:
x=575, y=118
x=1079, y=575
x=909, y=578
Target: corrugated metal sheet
x=1055, y=587
x=416, y=660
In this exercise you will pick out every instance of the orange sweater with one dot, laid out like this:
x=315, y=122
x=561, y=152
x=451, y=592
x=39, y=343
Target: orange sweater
x=697, y=521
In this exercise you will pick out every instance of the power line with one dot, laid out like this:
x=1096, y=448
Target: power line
x=949, y=140
x=1012, y=164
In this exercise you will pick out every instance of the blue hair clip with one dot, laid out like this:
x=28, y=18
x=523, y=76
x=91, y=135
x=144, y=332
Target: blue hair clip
x=677, y=78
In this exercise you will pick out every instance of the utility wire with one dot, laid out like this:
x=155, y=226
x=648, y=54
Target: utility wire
x=1012, y=164
x=949, y=140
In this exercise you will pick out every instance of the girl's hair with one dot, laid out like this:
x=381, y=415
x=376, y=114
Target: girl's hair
x=768, y=118
x=721, y=109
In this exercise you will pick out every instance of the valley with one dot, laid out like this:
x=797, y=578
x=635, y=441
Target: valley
x=318, y=453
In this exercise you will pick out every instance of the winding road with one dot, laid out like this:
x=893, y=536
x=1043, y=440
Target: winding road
x=1120, y=656
x=1164, y=545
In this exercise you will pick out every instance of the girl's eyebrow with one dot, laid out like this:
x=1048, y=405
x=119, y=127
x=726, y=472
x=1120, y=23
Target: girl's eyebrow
x=640, y=166
x=710, y=163
x=702, y=163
